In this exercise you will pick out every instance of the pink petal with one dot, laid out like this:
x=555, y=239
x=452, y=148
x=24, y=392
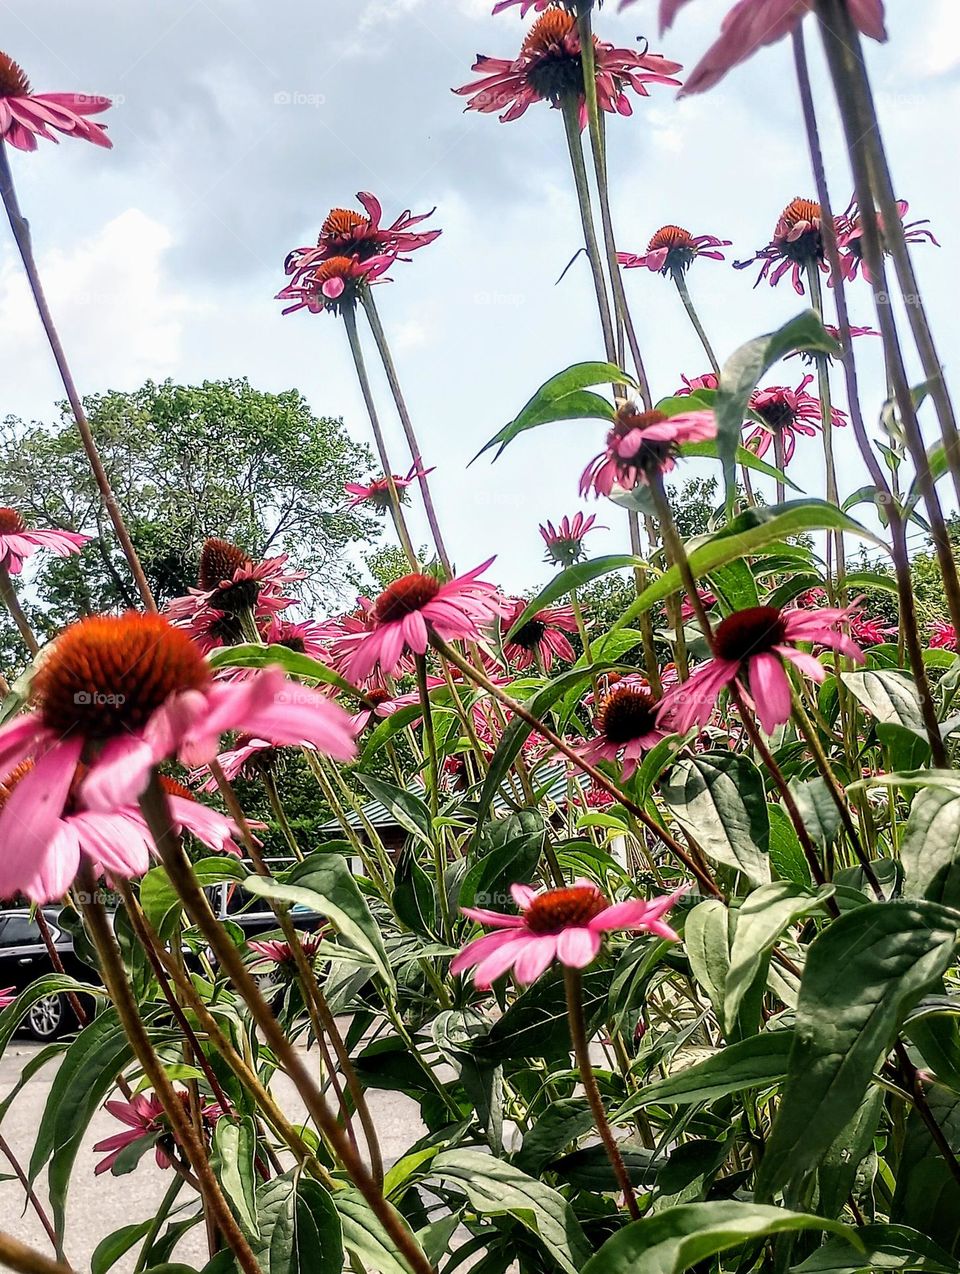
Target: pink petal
x=578, y=947
x=770, y=690
x=534, y=958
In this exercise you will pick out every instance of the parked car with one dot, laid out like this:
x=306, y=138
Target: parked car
x=24, y=958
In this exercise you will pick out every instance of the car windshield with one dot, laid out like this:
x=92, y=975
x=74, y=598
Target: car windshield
x=18, y=931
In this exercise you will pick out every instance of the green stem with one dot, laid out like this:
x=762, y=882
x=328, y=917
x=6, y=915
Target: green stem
x=280, y=814
x=573, y=985
x=694, y=317
x=8, y=595
x=166, y=1203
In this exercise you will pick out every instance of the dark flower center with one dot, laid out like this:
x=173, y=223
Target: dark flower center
x=349, y=232
x=628, y=714
x=227, y=629
x=107, y=675
x=648, y=455
x=11, y=523
x=294, y=643
x=530, y=635
x=11, y=780
x=777, y=413
x=560, y=909
x=219, y=562
x=749, y=632
x=808, y=246
x=13, y=81
x=404, y=596
x=554, y=69
x=173, y=788
x=377, y=696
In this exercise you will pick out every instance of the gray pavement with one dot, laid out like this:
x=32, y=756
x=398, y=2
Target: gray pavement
x=97, y=1206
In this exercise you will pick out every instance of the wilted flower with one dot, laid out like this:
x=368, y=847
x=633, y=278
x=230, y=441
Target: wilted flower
x=565, y=541
x=147, y=1120
x=334, y=283
x=626, y=728
x=346, y=233
x=549, y=69
x=796, y=244
x=870, y=632
x=541, y=637
x=559, y=924
x=377, y=490
x=18, y=543
x=673, y=250
x=25, y=116
x=850, y=238
x=751, y=647
x=642, y=443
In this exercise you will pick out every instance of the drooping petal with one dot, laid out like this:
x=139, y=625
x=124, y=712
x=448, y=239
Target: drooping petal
x=578, y=947
x=770, y=690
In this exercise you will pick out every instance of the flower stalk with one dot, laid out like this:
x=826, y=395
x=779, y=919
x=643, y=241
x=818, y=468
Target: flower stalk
x=8, y=595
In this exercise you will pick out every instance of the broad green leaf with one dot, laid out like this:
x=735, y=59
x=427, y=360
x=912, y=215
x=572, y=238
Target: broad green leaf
x=760, y=1061
x=930, y=850
x=871, y=579
x=364, y=1235
x=718, y=799
x=761, y=919
x=885, y=1247
x=323, y=883
x=562, y=397
x=234, y=1161
x=786, y=854
x=109, y=1250
x=293, y=662
x=564, y=1121
x=388, y=729
x=837, y=1174
x=890, y=697
x=535, y=1024
x=676, y=1239
x=406, y=807
x=741, y=374
x=939, y=780
x=751, y=531
x=487, y=882
x=161, y=902
x=298, y=1229
x=743, y=456
x=570, y=578
x=496, y=1188
x=707, y=946
x=863, y=972
x=818, y=810
x=51, y=984
x=927, y=1197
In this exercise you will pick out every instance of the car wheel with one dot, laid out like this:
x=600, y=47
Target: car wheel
x=48, y=1018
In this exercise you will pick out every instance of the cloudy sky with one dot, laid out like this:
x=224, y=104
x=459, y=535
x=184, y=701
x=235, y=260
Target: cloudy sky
x=238, y=124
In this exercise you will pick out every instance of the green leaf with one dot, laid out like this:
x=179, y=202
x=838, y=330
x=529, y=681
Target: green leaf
x=927, y=1197
x=109, y=1250
x=535, y=1024
x=837, y=1174
x=930, y=850
x=818, y=810
x=323, y=882
x=940, y=780
x=161, y=902
x=570, y=578
x=678, y=1238
x=495, y=1188
x=752, y=530
x=718, y=799
x=565, y=1120
x=487, y=882
x=744, y=457
x=293, y=662
x=885, y=1247
x=406, y=807
x=786, y=854
x=760, y=1061
x=51, y=984
x=862, y=974
x=562, y=397
x=741, y=375
x=364, y=1235
x=761, y=919
x=234, y=1161
x=298, y=1228
x=890, y=697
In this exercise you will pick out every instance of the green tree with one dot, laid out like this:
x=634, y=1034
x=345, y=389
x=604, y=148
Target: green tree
x=187, y=462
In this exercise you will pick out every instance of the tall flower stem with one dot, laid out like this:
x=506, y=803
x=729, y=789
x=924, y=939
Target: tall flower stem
x=121, y=994
x=826, y=427
x=436, y=837
x=157, y=1223
x=322, y=1020
x=780, y=460
x=566, y=750
x=153, y=803
x=16, y=1256
x=380, y=337
x=280, y=814
x=573, y=985
x=694, y=317
x=8, y=595
x=21, y=233
x=29, y=1191
x=842, y=61
x=858, y=85
x=396, y=509
x=898, y=532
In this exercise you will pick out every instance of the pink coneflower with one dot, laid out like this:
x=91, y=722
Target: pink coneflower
x=278, y=952
x=943, y=636
x=232, y=584
x=377, y=490
x=867, y=631
x=796, y=244
x=673, y=250
x=208, y=826
x=627, y=727
x=709, y=380
x=787, y=412
x=751, y=24
x=382, y=703
x=595, y=798
x=559, y=924
x=413, y=609
x=7, y=996
x=809, y=356
x=850, y=238
x=334, y=283
x=687, y=610
x=565, y=540
x=128, y=693
x=17, y=543
x=25, y=116
x=147, y=1120
x=750, y=647
x=540, y=638
x=548, y=69
x=346, y=233
x=306, y=637
x=642, y=443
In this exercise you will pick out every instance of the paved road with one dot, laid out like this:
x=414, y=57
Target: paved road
x=97, y=1206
